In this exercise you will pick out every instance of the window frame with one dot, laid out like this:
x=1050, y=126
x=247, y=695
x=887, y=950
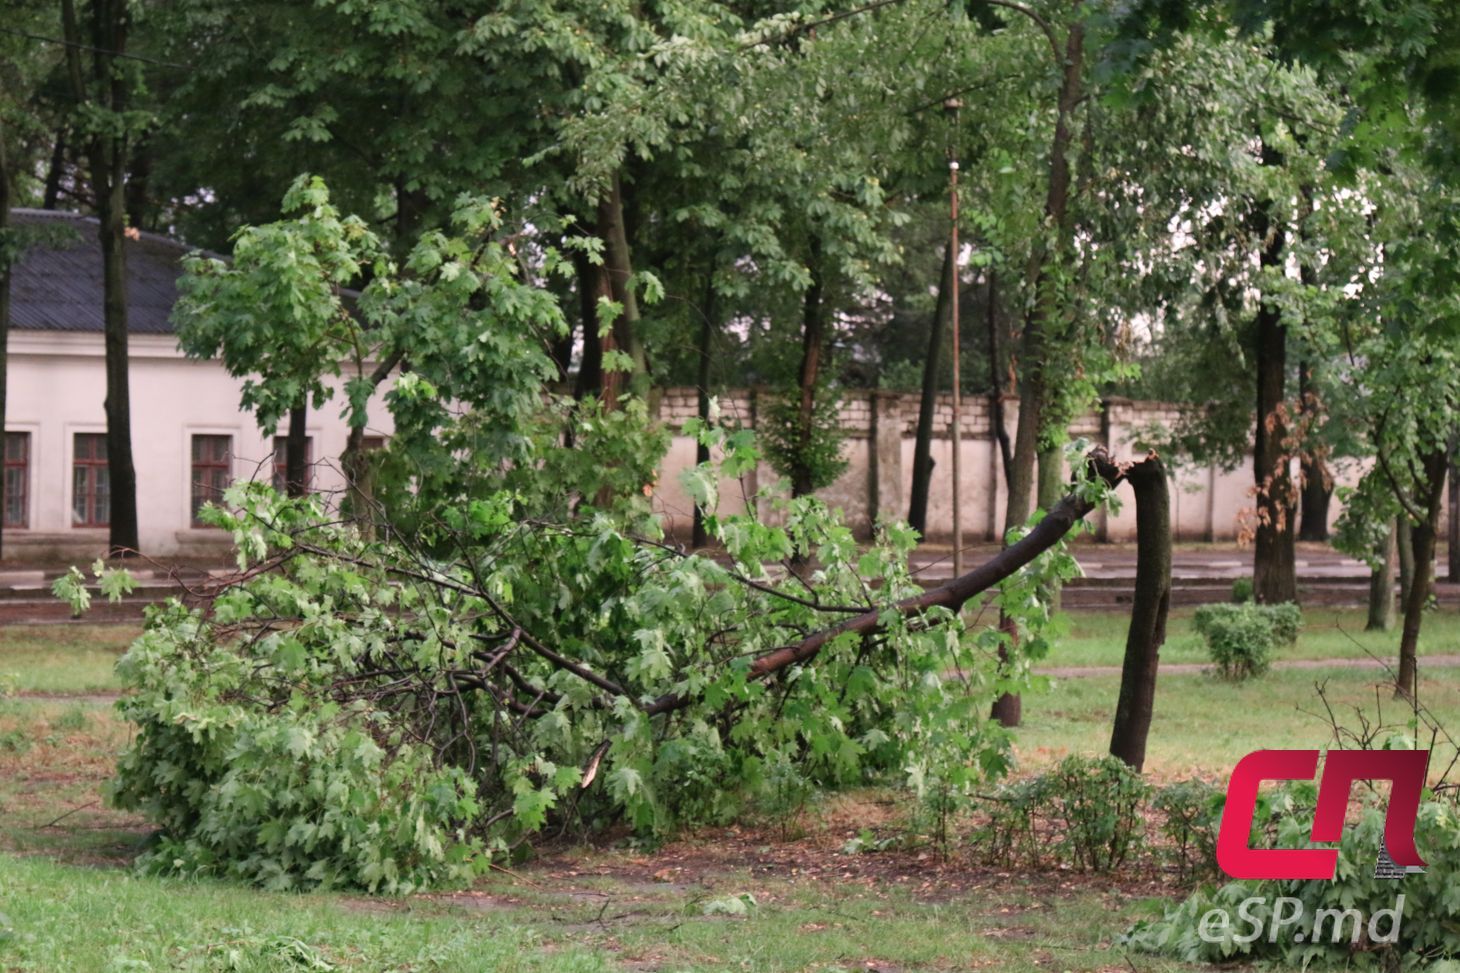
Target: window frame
x=93, y=462
x=196, y=487
x=24, y=466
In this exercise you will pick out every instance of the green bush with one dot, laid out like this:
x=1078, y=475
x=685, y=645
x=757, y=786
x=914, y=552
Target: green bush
x=1086, y=813
x=1241, y=639
x=1242, y=591
x=1428, y=933
x=1191, y=814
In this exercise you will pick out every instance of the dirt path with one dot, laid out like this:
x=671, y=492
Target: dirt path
x=96, y=697
x=1188, y=668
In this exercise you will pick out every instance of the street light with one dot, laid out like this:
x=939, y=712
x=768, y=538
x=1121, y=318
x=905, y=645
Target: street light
x=950, y=108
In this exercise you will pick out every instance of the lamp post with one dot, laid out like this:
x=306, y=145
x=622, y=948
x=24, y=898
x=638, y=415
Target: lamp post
x=950, y=107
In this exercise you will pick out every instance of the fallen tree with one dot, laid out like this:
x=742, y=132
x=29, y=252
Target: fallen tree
x=393, y=712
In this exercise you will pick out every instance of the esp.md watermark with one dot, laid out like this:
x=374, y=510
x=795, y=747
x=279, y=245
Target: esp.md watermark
x=1285, y=917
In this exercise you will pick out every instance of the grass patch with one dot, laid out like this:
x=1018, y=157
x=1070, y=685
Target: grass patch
x=69, y=901
x=1203, y=725
x=64, y=658
x=1098, y=638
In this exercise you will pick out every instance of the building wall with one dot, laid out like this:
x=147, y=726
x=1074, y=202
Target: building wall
x=57, y=385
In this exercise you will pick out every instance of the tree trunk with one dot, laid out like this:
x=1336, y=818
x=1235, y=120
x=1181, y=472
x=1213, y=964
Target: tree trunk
x=996, y=380
x=1452, y=531
x=1149, y=608
x=922, y=464
x=5, y=253
x=618, y=268
x=52, y=192
x=296, y=452
x=1274, y=573
x=1051, y=488
x=1404, y=545
x=1381, y=587
x=107, y=160
x=1317, y=488
x=813, y=336
x=1007, y=708
x=708, y=310
x=1423, y=534
x=590, y=368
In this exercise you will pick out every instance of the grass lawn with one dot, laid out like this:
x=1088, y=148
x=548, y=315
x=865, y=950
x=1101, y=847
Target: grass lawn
x=68, y=901
x=1098, y=638
x=63, y=658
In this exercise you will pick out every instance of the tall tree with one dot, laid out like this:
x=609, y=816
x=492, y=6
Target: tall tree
x=103, y=105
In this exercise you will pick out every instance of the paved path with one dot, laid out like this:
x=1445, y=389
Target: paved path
x=1187, y=668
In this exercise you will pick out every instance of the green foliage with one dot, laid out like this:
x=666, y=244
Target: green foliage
x=1084, y=814
x=1241, y=591
x=809, y=452
x=72, y=587
x=1241, y=638
x=1191, y=814
x=391, y=712
x=1431, y=907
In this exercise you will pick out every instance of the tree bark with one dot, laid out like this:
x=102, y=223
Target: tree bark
x=1274, y=573
x=1149, y=608
x=708, y=310
x=590, y=287
x=922, y=464
x=5, y=200
x=1008, y=708
x=1452, y=531
x=813, y=336
x=996, y=380
x=52, y=192
x=1317, y=488
x=618, y=268
x=107, y=160
x=1406, y=684
x=1381, y=587
x=953, y=595
x=296, y=452
x=1404, y=546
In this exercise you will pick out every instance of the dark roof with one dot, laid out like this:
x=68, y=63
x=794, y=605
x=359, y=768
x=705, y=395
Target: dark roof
x=57, y=284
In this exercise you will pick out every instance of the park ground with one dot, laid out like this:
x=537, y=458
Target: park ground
x=765, y=896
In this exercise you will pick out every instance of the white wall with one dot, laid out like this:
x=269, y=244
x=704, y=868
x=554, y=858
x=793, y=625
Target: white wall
x=57, y=385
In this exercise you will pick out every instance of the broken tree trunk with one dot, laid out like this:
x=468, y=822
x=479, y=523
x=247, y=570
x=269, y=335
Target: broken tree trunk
x=953, y=595
x=1148, y=611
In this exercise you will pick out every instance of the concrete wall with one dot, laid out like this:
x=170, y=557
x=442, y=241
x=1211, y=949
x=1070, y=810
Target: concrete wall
x=1207, y=503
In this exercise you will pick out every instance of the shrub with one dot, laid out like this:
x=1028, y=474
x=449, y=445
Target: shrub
x=1098, y=800
x=1191, y=814
x=1241, y=591
x=1429, y=932
x=1092, y=804
x=1241, y=638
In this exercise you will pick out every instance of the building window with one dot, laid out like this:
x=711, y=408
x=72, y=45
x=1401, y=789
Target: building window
x=281, y=463
x=212, y=472
x=17, y=479
x=369, y=444
x=91, y=484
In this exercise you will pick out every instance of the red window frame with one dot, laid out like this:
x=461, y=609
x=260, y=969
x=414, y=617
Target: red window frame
x=91, y=501
x=17, y=480
x=212, y=469
x=281, y=463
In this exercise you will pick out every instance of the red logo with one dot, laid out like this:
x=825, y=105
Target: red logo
x=1405, y=768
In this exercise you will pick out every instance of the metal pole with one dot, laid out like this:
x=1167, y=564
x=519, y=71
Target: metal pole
x=952, y=106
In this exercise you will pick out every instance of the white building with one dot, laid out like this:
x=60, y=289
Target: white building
x=189, y=435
